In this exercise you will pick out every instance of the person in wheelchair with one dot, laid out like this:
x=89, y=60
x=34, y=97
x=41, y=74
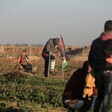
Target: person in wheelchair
x=74, y=90
x=23, y=62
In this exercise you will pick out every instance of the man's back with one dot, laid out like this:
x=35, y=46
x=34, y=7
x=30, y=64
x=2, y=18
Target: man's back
x=98, y=58
x=99, y=53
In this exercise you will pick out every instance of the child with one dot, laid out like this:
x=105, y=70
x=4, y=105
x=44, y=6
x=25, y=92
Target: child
x=72, y=96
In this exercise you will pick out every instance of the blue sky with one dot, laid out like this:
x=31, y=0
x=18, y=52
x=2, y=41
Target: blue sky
x=35, y=21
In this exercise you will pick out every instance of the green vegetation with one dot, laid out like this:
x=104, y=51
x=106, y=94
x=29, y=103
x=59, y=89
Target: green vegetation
x=30, y=94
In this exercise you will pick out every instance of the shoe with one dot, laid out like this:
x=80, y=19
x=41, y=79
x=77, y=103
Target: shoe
x=52, y=72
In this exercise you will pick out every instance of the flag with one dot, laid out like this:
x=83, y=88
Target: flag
x=64, y=62
x=62, y=43
x=63, y=47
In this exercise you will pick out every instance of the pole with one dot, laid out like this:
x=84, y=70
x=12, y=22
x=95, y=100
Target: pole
x=62, y=71
x=30, y=49
x=13, y=51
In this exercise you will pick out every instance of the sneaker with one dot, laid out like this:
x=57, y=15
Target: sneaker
x=52, y=72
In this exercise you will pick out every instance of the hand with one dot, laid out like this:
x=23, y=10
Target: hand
x=109, y=60
x=56, y=46
x=64, y=63
x=20, y=67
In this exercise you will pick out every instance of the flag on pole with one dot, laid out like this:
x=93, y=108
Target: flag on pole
x=62, y=42
x=64, y=62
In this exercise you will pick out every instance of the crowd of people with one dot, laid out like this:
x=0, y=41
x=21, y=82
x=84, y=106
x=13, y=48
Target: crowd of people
x=95, y=75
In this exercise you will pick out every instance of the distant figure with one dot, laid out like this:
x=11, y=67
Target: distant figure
x=23, y=62
x=100, y=59
x=51, y=47
x=74, y=91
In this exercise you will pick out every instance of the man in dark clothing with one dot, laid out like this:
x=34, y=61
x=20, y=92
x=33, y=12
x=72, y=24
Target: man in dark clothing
x=73, y=92
x=101, y=62
x=51, y=46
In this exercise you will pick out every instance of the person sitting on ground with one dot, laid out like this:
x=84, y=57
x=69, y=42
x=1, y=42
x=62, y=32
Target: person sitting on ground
x=23, y=62
x=51, y=47
x=73, y=92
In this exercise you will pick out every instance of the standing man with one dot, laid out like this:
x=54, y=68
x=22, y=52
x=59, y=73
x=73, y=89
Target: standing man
x=51, y=46
x=100, y=59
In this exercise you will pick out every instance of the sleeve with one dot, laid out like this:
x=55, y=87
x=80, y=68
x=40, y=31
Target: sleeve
x=91, y=56
x=49, y=46
x=61, y=51
x=108, y=48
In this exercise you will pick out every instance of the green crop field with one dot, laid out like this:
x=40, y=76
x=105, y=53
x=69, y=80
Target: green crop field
x=23, y=93
x=30, y=94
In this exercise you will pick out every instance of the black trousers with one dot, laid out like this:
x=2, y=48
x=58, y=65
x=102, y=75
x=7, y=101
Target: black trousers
x=46, y=65
x=27, y=67
x=104, y=86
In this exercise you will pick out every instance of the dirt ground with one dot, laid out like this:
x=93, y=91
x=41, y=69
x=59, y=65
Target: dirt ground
x=10, y=65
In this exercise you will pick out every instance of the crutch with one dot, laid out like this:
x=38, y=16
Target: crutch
x=49, y=65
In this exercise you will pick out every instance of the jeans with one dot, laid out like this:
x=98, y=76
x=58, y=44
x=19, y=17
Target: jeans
x=104, y=86
x=83, y=106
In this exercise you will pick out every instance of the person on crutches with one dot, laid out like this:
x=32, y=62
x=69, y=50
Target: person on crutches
x=52, y=46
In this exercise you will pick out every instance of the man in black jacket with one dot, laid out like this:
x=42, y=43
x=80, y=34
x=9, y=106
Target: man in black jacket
x=51, y=46
x=100, y=59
